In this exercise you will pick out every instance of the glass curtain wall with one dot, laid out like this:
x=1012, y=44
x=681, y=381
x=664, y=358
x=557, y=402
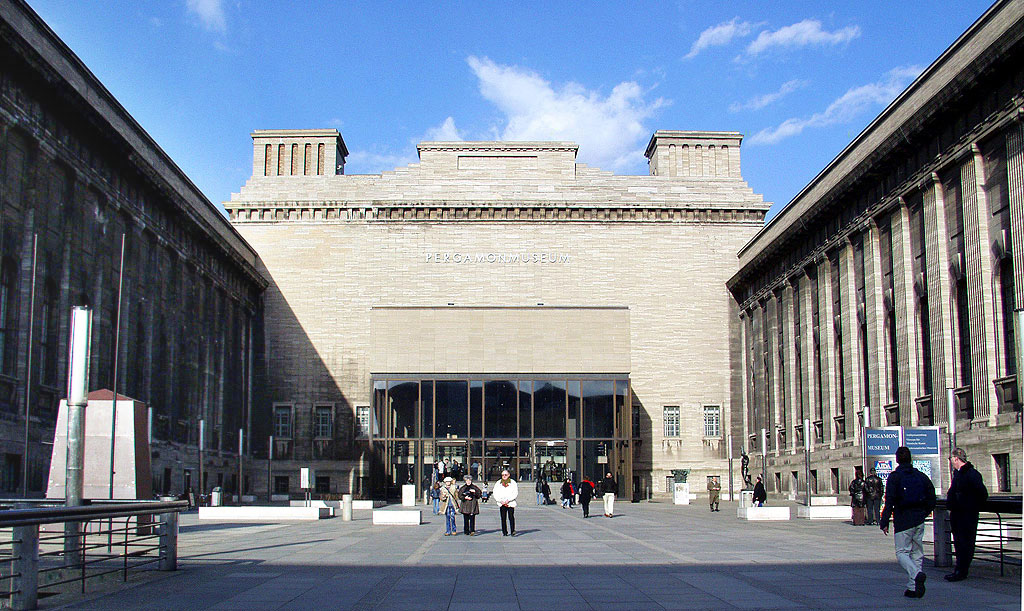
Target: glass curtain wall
x=554, y=427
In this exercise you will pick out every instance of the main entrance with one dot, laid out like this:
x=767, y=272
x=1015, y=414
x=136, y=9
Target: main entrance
x=552, y=427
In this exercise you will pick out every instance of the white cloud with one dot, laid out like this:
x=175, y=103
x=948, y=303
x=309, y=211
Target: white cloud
x=759, y=102
x=845, y=108
x=801, y=34
x=609, y=129
x=445, y=132
x=210, y=13
x=719, y=35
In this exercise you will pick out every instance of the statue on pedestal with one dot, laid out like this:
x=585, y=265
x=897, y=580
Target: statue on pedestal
x=745, y=471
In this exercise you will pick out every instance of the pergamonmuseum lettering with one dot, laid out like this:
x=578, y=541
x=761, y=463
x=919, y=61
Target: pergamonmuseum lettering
x=497, y=258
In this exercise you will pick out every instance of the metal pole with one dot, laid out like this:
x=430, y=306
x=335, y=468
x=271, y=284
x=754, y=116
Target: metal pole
x=807, y=459
x=729, y=441
x=864, y=425
x=113, y=386
x=241, y=446
x=270, y=468
x=78, y=393
x=202, y=444
x=28, y=367
x=951, y=416
x=764, y=458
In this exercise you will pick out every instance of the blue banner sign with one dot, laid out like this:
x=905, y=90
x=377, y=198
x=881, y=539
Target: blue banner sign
x=882, y=442
x=922, y=441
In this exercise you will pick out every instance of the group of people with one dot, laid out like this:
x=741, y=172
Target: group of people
x=586, y=491
x=910, y=498
x=455, y=470
x=866, y=497
x=465, y=499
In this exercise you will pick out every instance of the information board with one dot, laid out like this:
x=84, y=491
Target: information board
x=924, y=443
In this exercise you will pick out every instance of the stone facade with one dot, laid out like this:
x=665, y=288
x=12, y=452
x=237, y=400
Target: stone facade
x=483, y=224
x=892, y=278
x=78, y=173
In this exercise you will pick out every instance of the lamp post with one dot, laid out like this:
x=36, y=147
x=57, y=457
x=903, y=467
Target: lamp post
x=807, y=459
x=729, y=441
x=78, y=393
x=951, y=415
x=864, y=425
x=202, y=446
x=764, y=456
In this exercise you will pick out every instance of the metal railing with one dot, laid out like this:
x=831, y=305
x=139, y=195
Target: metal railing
x=47, y=550
x=999, y=533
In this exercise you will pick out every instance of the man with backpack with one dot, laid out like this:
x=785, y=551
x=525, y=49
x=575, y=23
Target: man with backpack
x=909, y=498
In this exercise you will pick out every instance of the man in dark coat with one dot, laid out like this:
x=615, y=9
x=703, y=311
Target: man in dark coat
x=469, y=505
x=874, y=487
x=586, y=493
x=857, y=496
x=909, y=498
x=760, y=494
x=964, y=499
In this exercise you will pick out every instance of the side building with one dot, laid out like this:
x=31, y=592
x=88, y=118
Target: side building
x=892, y=279
x=499, y=305
x=78, y=174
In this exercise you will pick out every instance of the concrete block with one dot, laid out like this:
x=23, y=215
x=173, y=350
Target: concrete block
x=397, y=517
x=762, y=513
x=263, y=513
x=825, y=512
x=365, y=504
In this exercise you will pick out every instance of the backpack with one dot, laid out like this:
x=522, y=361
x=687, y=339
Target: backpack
x=914, y=493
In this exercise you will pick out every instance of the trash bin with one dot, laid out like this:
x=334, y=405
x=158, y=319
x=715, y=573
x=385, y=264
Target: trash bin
x=216, y=497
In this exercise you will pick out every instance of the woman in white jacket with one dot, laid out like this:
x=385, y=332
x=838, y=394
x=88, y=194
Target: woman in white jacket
x=505, y=492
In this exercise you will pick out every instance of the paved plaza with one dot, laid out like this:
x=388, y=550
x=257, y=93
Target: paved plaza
x=650, y=556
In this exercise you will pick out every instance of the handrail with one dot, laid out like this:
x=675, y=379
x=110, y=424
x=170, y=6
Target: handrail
x=994, y=504
x=53, y=515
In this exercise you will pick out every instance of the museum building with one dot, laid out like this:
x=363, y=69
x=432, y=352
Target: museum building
x=889, y=283
x=498, y=304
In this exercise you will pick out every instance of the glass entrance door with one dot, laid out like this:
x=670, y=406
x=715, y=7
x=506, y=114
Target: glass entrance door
x=551, y=460
x=499, y=455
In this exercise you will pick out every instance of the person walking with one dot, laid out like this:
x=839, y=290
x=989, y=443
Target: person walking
x=608, y=490
x=966, y=494
x=566, y=493
x=469, y=504
x=857, y=496
x=505, y=492
x=714, y=492
x=546, y=491
x=586, y=494
x=760, y=494
x=435, y=497
x=539, y=487
x=450, y=501
x=909, y=498
x=874, y=487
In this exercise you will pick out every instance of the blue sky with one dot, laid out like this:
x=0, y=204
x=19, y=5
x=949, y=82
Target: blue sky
x=798, y=79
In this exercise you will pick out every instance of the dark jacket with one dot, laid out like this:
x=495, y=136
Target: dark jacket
x=608, y=486
x=760, y=495
x=469, y=499
x=539, y=486
x=905, y=515
x=586, y=491
x=966, y=494
x=566, y=490
x=873, y=487
x=857, y=493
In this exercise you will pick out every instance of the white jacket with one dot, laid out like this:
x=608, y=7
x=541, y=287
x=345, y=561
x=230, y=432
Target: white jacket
x=505, y=495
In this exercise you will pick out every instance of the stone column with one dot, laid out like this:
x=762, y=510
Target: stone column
x=791, y=403
x=978, y=252
x=939, y=292
x=774, y=389
x=906, y=323
x=852, y=376
x=746, y=380
x=874, y=313
x=809, y=367
x=827, y=345
x=1015, y=170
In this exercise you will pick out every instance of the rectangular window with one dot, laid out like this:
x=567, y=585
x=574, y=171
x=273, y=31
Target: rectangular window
x=323, y=484
x=362, y=421
x=1002, y=462
x=283, y=421
x=280, y=484
x=323, y=421
x=671, y=420
x=712, y=421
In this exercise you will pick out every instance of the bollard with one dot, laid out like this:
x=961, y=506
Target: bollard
x=25, y=548
x=169, y=538
x=346, y=508
x=942, y=542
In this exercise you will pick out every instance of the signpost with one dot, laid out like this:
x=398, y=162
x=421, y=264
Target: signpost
x=924, y=443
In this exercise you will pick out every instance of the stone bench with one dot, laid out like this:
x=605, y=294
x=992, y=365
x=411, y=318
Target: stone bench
x=819, y=500
x=397, y=517
x=256, y=513
x=762, y=513
x=364, y=504
x=825, y=512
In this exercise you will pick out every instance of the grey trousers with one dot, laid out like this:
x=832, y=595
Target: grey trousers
x=910, y=552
